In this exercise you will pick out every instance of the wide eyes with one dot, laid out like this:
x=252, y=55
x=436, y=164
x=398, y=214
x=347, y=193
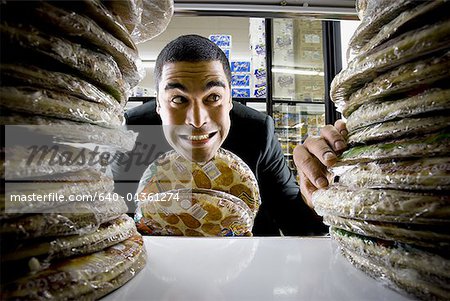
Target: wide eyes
x=210, y=99
x=179, y=100
x=213, y=98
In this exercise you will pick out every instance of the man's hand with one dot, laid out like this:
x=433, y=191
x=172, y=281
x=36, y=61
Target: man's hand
x=316, y=154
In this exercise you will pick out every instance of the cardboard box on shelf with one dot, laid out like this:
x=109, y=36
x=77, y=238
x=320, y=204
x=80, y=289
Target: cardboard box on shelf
x=283, y=86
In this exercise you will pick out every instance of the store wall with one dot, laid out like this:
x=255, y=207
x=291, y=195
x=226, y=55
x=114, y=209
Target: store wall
x=238, y=28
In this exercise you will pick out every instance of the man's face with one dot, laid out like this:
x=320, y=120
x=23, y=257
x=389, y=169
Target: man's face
x=194, y=102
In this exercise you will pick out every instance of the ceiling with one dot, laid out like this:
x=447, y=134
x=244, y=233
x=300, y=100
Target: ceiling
x=318, y=9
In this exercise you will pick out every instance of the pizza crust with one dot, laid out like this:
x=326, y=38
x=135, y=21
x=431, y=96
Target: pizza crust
x=226, y=172
x=196, y=212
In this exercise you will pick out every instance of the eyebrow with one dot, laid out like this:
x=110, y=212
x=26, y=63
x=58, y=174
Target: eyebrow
x=209, y=85
x=214, y=83
x=171, y=86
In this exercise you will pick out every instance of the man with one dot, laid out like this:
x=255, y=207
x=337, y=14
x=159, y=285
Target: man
x=194, y=105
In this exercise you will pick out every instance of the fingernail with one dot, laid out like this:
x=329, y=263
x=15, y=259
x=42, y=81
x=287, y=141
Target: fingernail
x=321, y=182
x=344, y=133
x=339, y=145
x=328, y=156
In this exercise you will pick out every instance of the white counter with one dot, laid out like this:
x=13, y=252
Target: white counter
x=215, y=269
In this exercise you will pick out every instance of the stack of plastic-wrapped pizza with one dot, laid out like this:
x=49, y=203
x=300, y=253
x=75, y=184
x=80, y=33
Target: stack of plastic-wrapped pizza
x=180, y=197
x=66, y=70
x=389, y=208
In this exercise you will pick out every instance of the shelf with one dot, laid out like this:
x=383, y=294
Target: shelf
x=249, y=99
x=301, y=113
x=294, y=102
x=287, y=127
x=290, y=139
x=144, y=99
x=215, y=268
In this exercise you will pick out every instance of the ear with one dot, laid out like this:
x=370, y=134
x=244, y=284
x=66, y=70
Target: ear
x=158, y=107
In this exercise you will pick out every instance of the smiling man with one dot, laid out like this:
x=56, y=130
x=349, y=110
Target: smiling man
x=194, y=102
x=195, y=107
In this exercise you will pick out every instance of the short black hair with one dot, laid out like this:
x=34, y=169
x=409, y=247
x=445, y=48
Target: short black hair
x=191, y=48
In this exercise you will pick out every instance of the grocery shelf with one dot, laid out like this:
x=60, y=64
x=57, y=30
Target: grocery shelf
x=249, y=268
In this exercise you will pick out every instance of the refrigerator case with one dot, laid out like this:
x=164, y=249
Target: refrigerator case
x=294, y=122
x=298, y=96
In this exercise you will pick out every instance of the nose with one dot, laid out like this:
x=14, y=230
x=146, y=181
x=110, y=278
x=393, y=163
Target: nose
x=197, y=115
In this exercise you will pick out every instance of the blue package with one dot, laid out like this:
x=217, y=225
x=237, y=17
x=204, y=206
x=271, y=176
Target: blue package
x=260, y=49
x=227, y=53
x=240, y=80
x=260, y=91
x=240, y=93
x=260, y=73
x=240, y=66
x=221, y=40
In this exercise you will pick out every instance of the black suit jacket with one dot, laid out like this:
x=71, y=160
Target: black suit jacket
x=252, y=138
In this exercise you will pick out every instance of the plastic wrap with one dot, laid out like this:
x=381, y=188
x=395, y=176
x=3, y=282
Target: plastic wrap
x=225, y=172
x=386, y=205
x=415, y=76
x=76, y=218
x=374, y=10
x=396, y=255
x=199, y=212
x=361, y=8
x=374, y=14
x=43, y=252
x=420, y=15
x=67, y=98
x=97, y=11
x=128, y=11
x=400, y=128
x=82, y=278
x=391, y=195
x=156, y=15
x=428, y=102
x=84, y=30
x=437, y=144
x=19, y=44
x=58, y=105
x=422, y=174
x=405, y=48
x=57, y=81
x=66, y=131
x=21, y=162
x=423, y=274
x=427, y=236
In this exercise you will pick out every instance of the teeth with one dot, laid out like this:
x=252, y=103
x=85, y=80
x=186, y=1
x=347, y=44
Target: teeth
x=197, y=138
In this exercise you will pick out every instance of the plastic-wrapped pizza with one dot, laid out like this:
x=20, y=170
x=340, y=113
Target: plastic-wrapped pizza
x=179, y=197
x=197, y=212
x=388, y=207
x=67, y=69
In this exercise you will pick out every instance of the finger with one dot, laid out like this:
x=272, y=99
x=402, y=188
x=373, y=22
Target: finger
x=341, y=127
x=307, y=189
x=333, y=138
x=318, y=147
x=310, y=167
